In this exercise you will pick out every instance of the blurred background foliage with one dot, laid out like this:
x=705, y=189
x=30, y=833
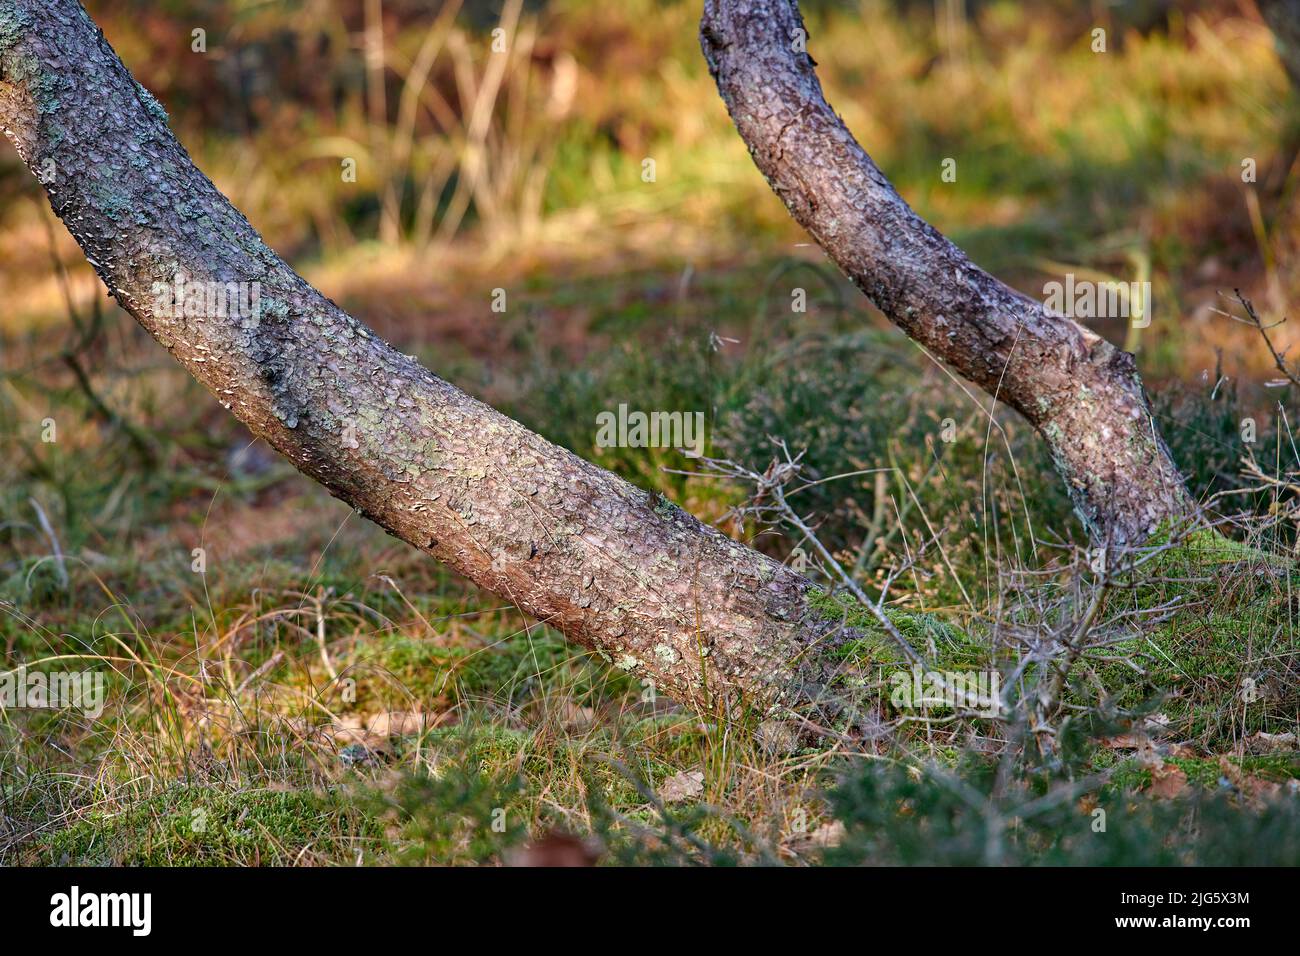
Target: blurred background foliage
x=521, y=169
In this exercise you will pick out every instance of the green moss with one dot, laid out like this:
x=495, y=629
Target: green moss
x=1206, y=547
x=1216, y=663
x=922, y=630
x=1206, y=773
x=904, y=814
x=198, y=826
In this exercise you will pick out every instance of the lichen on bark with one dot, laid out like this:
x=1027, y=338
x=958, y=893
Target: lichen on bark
x=708, y=621
x=1108, y=449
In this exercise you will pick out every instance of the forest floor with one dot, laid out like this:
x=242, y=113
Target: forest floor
x=288, y=685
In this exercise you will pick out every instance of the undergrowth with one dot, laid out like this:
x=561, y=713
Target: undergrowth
x=319, y=694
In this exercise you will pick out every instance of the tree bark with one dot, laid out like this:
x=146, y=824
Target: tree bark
x=646, y=586
x=1081, y=393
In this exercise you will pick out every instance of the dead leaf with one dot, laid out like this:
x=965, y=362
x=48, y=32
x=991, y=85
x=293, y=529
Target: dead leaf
x=555, y=849
x=683, y=785
x=1254, y=789
x=399, y=723
x=376, y=729
x=1167, y=782
x=828, y=834
x=573, y=717
x=350, y=730
x=1257, y=788
x=1149, y=756
x=1156, y=723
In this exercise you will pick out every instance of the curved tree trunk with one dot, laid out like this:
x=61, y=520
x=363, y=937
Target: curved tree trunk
x=645, y=585
x=1081, y=393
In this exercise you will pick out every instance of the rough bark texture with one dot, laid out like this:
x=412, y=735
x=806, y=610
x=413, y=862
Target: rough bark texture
x=1081, y=393
x=648, y=587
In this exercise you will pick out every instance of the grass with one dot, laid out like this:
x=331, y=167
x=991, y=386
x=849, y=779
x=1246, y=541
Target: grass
x=320, y=694
x=221, y=680
x=204, y=826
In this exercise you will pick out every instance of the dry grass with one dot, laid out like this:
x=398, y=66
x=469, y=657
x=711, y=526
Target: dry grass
x=234, y=733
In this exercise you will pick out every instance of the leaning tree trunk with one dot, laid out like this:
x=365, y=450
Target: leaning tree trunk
x=645, y=585
x=1081, y=393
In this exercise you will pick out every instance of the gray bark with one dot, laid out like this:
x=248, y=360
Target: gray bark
x=1081, y=393
x=646, y=586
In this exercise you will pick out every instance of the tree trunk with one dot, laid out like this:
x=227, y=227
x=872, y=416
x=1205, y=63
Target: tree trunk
x=1081, y=393
x=646, y=586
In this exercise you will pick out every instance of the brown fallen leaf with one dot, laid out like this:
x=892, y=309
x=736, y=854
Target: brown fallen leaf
x=1148, y=756
x=1167, y=782
x=348, y=730
x=683, y=785
x=828, y=834
x=1254, y=789
x=1156, y=723
x=377, y=728
x=400, y=723
x=1258, y=789
x=555, y=849
x=574, y=717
